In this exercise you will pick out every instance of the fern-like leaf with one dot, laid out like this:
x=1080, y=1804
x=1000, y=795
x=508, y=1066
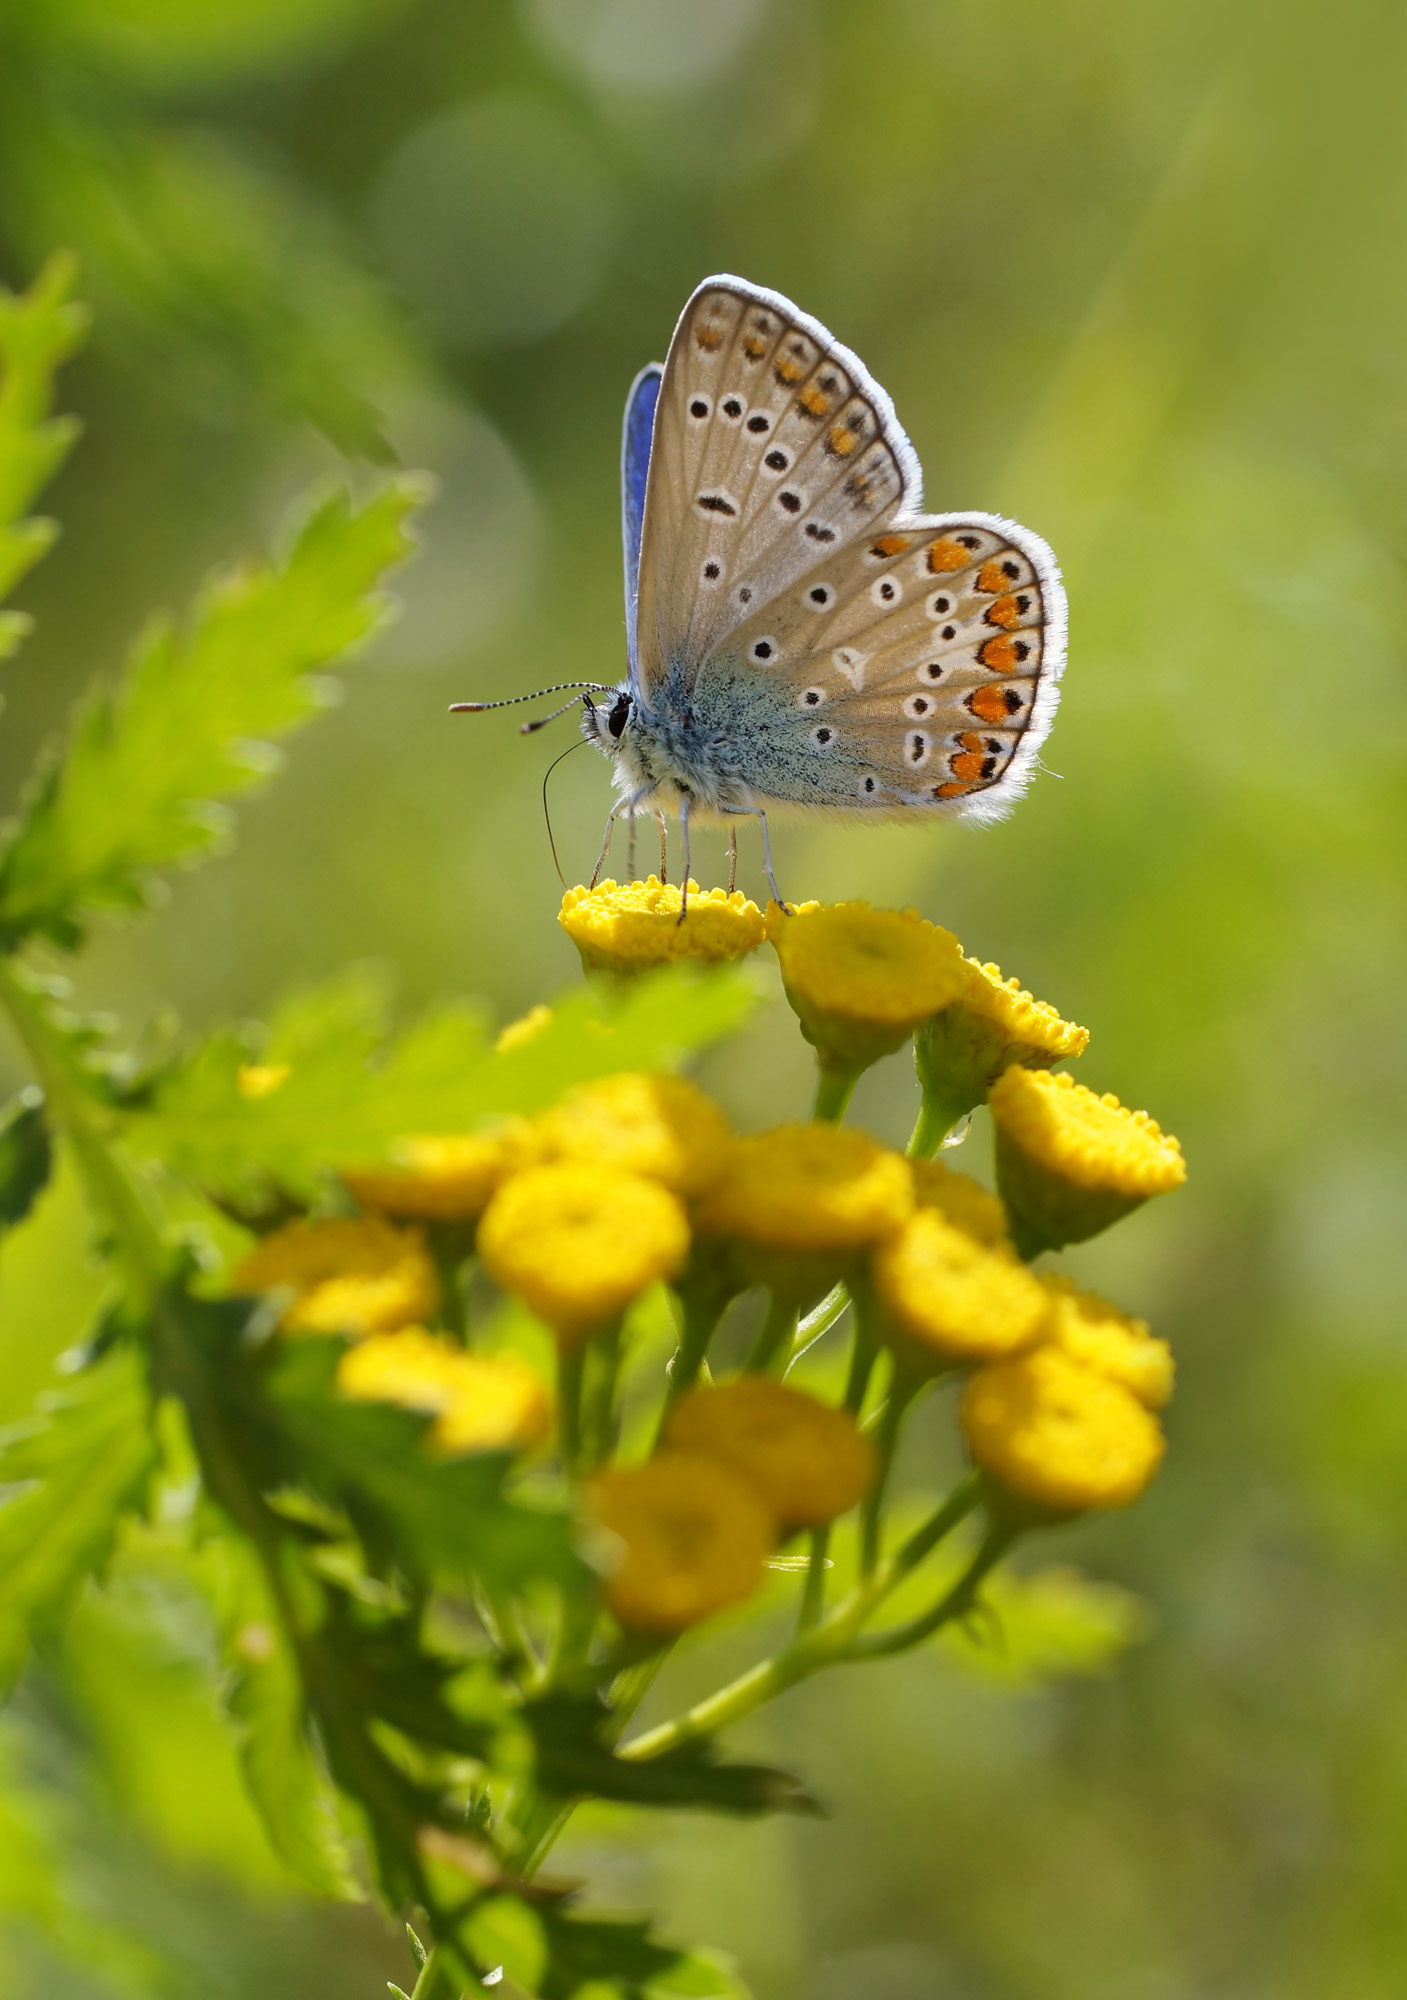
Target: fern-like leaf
x=139, y=784
x=38, y=329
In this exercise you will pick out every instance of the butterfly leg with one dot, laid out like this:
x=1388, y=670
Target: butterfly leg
x=767, y=864
x=630, y=851
x=684, y=842
x=664, y=850
x=605, y=847
x=732, y=859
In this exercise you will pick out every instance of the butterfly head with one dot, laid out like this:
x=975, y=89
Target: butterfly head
x=604, y=722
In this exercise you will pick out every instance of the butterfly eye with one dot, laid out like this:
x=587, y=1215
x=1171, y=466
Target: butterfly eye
x=731, y=408
x=700, y=407
x=820, y=597
x=762, y=651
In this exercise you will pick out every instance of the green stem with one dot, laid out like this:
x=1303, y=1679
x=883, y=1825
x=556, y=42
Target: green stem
x=571, y=1373
x=834, y=1090
x=599, y=1416
x=825, y=1644
x=902, y=1390
x=813, y=1597
x=701, y=1308
x=936, y=1120
x=775, y=1335
x=954, y=1603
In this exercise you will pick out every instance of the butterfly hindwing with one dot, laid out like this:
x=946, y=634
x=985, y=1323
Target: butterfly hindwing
x=638, y=430
x=917, y=668
x=772, y=446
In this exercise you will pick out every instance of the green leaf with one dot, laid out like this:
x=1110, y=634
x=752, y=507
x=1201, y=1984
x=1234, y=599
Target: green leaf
x=348, y=1094
x=506, y=1931
x=39, y=329
x=1030, y=1628
x=135, y=788
x=73, y=1471
x=604, y=1957
x=26, y=1156
x=574, y=1760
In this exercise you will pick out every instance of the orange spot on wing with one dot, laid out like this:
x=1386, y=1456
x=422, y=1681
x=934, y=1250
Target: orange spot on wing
x=989, y=703
x=991, y=577
x=754, y=348
x=1006, y=611
x=813, y=402
x=890, y=545
x=709, y=338
x=787, y=370
x=967, y=765
x=946, y=554
x=1000, y=655
x=950, y=790
x=842, y=440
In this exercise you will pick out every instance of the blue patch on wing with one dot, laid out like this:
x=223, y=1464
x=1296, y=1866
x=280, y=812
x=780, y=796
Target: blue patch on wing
x=634, y=470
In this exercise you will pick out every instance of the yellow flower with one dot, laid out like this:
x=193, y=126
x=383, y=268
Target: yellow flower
x=355, y=1277
x=578, y=1243
x=1070, y=1163
x=991, y=1023
x=436, y=1176
x=256, y=1080
x=964, y=1201
x=807, y=1188
x=954, y=1297
x=518, y=1034
x=658, y=1126
x=481, y=1402
x=809, y=1462
x=1059, y=1434
x=1093, y=1332
x=860, y=980
x=689, y=1537
x=627, y=927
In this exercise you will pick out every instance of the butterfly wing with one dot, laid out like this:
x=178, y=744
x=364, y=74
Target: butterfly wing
x=773, y=446
x=914, y=670
x=639, y=429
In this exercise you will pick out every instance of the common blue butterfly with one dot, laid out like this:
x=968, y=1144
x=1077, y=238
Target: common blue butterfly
x=802, y=637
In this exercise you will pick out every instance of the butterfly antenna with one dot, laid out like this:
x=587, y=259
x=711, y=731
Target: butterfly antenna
x=579, y=745
x=512, y=700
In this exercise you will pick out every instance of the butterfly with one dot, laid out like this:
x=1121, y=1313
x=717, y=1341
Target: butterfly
x=802, y=637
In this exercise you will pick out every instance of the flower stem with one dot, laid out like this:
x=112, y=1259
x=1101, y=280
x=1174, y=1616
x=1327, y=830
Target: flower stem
x=775, y=1335
x=954, y=1603
x=571, y=1373
x=834, y=1090
x=937, y=1118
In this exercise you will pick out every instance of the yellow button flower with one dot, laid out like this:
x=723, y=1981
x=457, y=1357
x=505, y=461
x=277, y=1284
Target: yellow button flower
x=809, y=1187
x=630, y=926
x=578, y=1243
x=688, y=1537
x=346, y=1276
x=964, y=1201
x=1057, y=1433
x=482, y=1402
x=808, y=1461
x=860, y=980
x=954, y=1297
x=658, y=1126
x=990, y=1024
x=1069, y=1163
x=434, y=1176
x=1092, y=1331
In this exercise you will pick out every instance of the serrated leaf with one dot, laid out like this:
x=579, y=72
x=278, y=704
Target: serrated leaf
x=603, y=1956
x=505, y=1931
x=347, y=1096
x=1052, y=1622
x=138, y=785
x=73, y=1470
x=574, y=1760
x=26, y=1156
x=39, y=329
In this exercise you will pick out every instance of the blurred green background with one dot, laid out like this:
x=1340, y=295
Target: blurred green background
x=1132, y=273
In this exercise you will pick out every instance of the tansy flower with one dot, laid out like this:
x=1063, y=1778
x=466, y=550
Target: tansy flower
x=1092, y=1331
x=346, y=1276
x=1070, y=1163
x=955, y=1298
x=481, y=1402
x=578, y=1243
x=629, y=926
x=256, y=1080
x=688, y=1537
x=963, y=1201
x=436, y=1176
x=518, y=1034
x=990, y=1024
x=800, y=1203
x=860, y=980
x=1057, y=1433
x=658, y=1126
x=808, y=1461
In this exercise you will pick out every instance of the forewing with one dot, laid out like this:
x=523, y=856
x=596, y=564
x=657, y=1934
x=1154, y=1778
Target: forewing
x=639, y=427
x=773, y=446
x=921, y=666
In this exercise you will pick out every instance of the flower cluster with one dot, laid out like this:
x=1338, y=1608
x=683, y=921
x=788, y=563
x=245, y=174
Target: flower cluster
x=636, y=1180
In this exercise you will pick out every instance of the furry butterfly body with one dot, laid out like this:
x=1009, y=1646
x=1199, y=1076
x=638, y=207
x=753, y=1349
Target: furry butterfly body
x=802, y=637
